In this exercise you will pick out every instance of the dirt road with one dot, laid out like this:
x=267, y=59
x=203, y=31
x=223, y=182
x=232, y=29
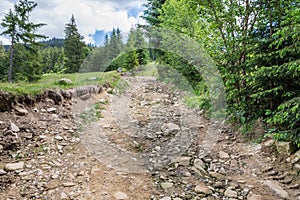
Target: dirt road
x=141, y=143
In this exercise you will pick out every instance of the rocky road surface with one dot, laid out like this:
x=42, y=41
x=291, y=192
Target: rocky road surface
x=141, y=143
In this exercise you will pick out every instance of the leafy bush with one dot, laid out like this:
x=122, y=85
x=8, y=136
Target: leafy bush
x=287, y=120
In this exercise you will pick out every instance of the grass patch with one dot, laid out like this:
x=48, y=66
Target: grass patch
x=147, y=70
x=50, y=81
x=200, y=102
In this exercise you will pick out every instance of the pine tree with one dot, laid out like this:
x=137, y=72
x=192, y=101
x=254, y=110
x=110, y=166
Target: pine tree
x=3, y=61
x=115, y=44
x=131, y=60
x=53, y=59
x=152, y=13
x=74, y=47
x=140, y=45
x=20, y=29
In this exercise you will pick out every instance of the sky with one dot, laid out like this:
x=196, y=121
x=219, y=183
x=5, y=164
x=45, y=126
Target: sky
x=94, y=18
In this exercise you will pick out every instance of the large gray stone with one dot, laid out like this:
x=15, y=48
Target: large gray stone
x=14, y=166
x=297, y=154
x=297, y=167
x=120, y=196
x=286, y=148
x=224, y=155
x=169, y=128
x=269, y=143
x=52, y=184
x=2, y=172
x=231, y=193
x=166, y=185
x=202, y=189
x=14, y=127
x=274, y=186
x=20, y=111
x=182, y=160
x=52, y=110
x=85, y=96
x=65, y=81
x=200, y=165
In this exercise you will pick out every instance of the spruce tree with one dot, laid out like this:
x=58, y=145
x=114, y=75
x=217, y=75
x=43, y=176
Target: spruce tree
x=3, y=61
x=73, y=47
x=131, y=60
x=140, y=45
x=20, y=29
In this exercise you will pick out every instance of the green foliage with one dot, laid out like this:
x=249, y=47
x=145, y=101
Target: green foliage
x=108, y=57
x=118, y=62
x=287, y=120
x=21, y=30
x=53, y=60
x=4, y=64
x=28, y=65
x=152, y=12
x=140, y=46
x=96, y=61
x=147, y=70
x=53, y=42
x=74, y=48
x=49, y=81
x=256, y=47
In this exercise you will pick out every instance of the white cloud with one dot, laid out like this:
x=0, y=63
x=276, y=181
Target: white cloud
x=90, y=15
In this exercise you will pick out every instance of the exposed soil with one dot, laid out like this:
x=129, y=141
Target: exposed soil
x=141, y=144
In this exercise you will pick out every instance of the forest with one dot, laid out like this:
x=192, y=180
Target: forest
x=254, y=43
x=256, y=47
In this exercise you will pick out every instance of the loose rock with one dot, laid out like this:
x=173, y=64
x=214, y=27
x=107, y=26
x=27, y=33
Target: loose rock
x=65, y=81
x=166, y=185
x=20, y=111
x=68, y=184
x=2, y=172
x=63, y=196
x=51, y=110
x=254, y=197
x=277, y=189
x=230, y=193
x=166, y=198
x=183, y=160
x=224, y=155
x=203, y=189
x=14, y=166
x=14, y=127
x=120, y=196
x=169, y=128
x=52, y=184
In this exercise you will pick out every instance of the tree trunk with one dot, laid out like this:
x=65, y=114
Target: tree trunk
x=11, y=60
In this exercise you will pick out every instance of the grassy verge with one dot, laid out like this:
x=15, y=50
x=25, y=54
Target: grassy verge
x=50, y=81
x=147, y=70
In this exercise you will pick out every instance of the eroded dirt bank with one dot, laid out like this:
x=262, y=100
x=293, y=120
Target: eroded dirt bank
x=142, y=144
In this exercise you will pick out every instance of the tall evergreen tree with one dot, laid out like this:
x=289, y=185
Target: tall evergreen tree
x=74, y=47
x=115, y=43
x=20, y=29
x=29, y=66
x=3, y=62
x=152, y=13
x=53, y=60
x=131, y=59
x=141, y=47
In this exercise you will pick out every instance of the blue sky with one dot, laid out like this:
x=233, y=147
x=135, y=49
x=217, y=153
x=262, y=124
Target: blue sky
x=99, y=35
x=94, y=18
